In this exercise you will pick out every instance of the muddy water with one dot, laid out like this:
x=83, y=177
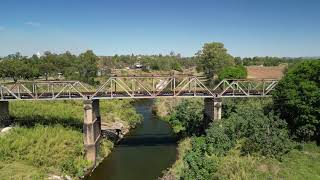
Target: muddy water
x=143, y=154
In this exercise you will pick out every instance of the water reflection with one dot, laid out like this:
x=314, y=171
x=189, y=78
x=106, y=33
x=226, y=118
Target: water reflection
x=143, y=154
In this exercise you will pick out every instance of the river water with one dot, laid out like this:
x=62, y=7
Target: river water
x=144, y=153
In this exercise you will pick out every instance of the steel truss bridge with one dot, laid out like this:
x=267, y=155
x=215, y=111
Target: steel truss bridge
x=119, y=87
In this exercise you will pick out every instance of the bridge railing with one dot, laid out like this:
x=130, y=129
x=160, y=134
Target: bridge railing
x=136, y=87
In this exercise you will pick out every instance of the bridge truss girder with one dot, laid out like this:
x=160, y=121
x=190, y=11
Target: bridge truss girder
x=118, y=87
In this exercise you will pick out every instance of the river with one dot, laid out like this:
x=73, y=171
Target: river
x=144, y=153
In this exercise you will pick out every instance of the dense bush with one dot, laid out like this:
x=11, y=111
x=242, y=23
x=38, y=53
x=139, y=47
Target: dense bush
x=187, y=118
x=297, y=99
x=268, y=137
x=198, y=164
x=233, y=72
x=265, y=134
x=218, y=140
x=257, y=132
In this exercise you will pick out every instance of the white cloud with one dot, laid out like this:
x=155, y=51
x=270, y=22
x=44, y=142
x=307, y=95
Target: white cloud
x=33, y=24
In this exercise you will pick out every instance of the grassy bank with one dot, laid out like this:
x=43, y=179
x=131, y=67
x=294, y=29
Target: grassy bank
x=176, y=169
x=70, y=113
x=297, y=164
x=47, y=138
x=163, y=107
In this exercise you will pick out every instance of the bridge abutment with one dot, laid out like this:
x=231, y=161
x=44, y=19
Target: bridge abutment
x=91, y=129
x=212, y=109
x=4, y=113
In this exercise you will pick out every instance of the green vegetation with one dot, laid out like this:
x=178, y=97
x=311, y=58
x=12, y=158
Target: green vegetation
x=48, y=139
x=83, y=67
x=164, y=107
x=233, y=72
x=176, y=170
x=250, y=142
x=46, y=148
x=297, y=164
x=213, y=58
x=256, y=138
x=70, y=113
x=187, y=118
x=161, y=62
x=297, y=100
x=266, y=61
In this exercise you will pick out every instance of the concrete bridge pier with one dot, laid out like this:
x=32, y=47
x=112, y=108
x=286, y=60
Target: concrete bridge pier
x=91, y=129
x=212, y=109
x=4, y=114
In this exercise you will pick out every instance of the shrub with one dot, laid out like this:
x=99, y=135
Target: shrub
x=199, y=166
x=297, y=100
x=269, y=137
x=233, y=72
x=263, y=134
x=219, y=142
x=187, y=118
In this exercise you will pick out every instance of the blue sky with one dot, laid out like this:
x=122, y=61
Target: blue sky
x=246, y=27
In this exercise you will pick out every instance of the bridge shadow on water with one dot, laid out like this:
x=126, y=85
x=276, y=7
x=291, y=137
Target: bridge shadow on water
x=149, y=140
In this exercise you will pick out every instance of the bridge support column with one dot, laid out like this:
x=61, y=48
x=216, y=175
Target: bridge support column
x=91, y=129
x=4, y=114
x=212, y=109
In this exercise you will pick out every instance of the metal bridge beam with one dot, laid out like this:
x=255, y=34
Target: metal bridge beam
x=91, y=129
x=136, y=87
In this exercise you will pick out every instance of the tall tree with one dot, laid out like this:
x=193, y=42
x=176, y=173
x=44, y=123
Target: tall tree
x=88, y=66
x=213, y=58
x=297, y=99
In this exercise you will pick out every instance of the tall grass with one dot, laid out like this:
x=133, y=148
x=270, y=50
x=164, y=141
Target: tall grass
x=53, y=147
x=70, y=113
x=48, y=137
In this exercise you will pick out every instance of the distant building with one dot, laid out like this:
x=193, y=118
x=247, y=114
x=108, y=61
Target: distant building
x=38, y=54
x=138, y=65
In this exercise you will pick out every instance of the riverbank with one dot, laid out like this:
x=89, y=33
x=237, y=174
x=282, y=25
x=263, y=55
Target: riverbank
x=226, y=152
x=46, y=139
x=297, y=164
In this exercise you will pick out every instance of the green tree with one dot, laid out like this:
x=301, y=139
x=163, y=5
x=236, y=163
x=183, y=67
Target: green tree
x=88, y=66
x=10, y=69
x=238, y=61
x=297, y=99
x=213, y=58
x=187, y=118
x=233, y=72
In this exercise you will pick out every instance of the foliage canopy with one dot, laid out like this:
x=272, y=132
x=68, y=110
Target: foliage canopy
x=297, y=99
